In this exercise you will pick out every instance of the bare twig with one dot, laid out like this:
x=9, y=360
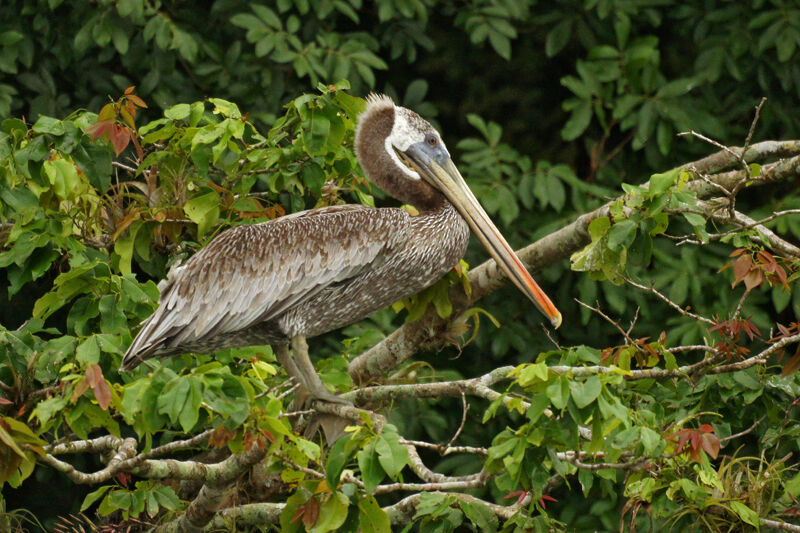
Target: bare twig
x=446, y=451
x=738, y=311
x=780, y=525
x=753, y=124
x=608, y=319
x=310, y=471
x=669, y=302
x=123, y=166
x=745, y=432
x=464, y=411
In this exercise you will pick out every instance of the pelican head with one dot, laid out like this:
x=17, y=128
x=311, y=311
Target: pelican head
x=404, y=155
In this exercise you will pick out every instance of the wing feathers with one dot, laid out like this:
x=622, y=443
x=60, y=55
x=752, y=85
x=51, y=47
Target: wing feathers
x=251, y=274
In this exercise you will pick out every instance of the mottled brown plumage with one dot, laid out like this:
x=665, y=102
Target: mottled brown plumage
x=312, y=272
x=304, y=274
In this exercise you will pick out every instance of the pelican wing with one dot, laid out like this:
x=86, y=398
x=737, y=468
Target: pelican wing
x=253, y=273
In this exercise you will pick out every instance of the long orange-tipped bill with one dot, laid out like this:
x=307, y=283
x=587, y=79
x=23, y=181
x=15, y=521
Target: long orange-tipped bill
x=449, y=181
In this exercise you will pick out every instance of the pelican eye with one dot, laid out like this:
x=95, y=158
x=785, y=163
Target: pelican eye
x=431, y=139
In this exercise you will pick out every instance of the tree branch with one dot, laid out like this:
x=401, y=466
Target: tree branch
x=203, y=508
x=426, y=333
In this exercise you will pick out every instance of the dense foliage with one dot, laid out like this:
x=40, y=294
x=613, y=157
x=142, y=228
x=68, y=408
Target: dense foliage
x=666, y=398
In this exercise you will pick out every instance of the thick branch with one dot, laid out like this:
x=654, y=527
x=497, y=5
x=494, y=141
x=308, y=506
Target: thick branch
x=425, y=334
x=203, y=508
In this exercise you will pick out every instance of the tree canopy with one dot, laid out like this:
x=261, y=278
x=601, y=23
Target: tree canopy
x=643, y=158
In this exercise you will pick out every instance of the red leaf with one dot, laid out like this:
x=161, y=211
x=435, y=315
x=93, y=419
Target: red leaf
x=544, y=498
x=136, y=100
x=219, y=437
x=130, y=89
x=766, y=257
x=710, y=444
x=95, y=379
x=741, y=267
x=753, y=279
x=4, y=401
x=308, y=513
x=124, y=478
x=119, y=137
x=99, y=129
x=792, y=364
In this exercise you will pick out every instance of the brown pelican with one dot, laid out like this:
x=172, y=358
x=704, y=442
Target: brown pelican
x=305, y=274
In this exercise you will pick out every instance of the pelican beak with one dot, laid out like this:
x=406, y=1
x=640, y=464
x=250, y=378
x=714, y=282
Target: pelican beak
x=445, y=177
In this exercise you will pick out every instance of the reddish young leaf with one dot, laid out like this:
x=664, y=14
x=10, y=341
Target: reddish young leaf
x=753, y=279
x=544, y=498
x=99, y=129
x=765, y=257
x=220, y=436
x=124, y=478
x=710, y=444
x=119, y=137
x=137, y=101
x=4, y=401
x=81, y=387
x=308, y=513
x=94, y=376
x=518, y=494
x=740, y=268
x=792, y=364
x=130, y=89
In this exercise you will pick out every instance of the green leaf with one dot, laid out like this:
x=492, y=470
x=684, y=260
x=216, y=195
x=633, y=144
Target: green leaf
x=558, y=392
x=599, y=227
x=584, y=393
x=578, y=121
x=338, y=457
x=180, y=400
x=660, y=183
x=676, y=88
x=166, y=497
x=532, y=373
x=332, y=513
x=699, y=223
x=49, y=125
x=391, y=454
x=372, y=518
x=480, y=515
x=650, y=440
x=371, y=471
x=745, y=513
x=622, y=234
x=88, y=351
x=645, y=124
x=93, y=497
x=558, y=37
x=501, y=44
x=178, y=112
x=539, y=403
x=203, y=210
x=45, y=409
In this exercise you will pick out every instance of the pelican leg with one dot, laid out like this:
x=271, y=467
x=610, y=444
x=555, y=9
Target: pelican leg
x=287, y=363
x=308, y=374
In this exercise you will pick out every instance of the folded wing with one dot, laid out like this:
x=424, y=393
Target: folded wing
x=252, y=274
